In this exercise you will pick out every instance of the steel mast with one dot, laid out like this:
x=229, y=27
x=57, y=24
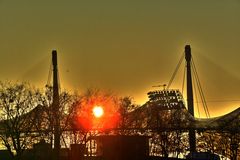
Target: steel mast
x=55, y=106
x=192, y=135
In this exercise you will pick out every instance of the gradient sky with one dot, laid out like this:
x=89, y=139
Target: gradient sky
x=124, y=46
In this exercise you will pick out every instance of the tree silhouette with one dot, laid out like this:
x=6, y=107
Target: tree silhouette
x=67, y=104
x=18, y=117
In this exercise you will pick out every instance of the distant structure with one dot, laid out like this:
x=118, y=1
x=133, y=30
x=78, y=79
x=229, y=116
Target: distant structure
x=167, y=99
x=122, y=147
x=162, y=115
x=192, y=135
x=55, y=107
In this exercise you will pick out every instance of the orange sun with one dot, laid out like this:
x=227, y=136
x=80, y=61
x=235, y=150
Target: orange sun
x=98, y=111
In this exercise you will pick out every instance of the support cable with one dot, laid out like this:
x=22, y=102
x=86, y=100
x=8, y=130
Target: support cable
x=49, y=75
x=184, y=76
x=196, y=96
x=204, y=100
x=200, y=91
x=175, y=71
x=201, y=94
x=59, y=85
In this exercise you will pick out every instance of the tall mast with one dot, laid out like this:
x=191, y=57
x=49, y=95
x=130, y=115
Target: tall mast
x=192, y=135
x=56, y=107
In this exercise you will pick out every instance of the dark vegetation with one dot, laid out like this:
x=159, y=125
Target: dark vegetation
x=26, y=118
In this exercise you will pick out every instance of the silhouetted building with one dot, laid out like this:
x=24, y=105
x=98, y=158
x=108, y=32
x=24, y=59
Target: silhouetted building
x=4, y=155
x=122, y=147
x=77, y=151
x=42, y=150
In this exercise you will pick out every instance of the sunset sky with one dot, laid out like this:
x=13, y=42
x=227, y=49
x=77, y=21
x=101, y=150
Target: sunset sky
x=124, y=46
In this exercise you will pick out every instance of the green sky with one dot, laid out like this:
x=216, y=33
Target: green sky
x=124, y=46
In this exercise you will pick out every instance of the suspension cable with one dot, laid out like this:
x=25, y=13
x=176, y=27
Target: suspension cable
x=195, y=90
x=59, y=85
x=200, y=90
x=175, y=71
x=184, y=76
x=203, y=99
x=49, y=75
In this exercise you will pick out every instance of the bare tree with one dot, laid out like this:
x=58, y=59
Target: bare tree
x=17, y=101
x=84, y=117
x=68, y=103
x=126, y=105
x=219, y=143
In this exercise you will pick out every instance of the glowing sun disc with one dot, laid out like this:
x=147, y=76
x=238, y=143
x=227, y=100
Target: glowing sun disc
x=98, y=111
